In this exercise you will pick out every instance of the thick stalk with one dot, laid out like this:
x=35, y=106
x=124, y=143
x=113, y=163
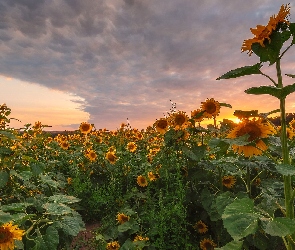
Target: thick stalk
x=289, y=199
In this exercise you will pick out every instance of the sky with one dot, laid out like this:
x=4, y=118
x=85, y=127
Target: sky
x=64, y=62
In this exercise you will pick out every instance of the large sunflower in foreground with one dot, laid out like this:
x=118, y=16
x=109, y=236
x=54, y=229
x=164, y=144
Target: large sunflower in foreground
x=256, y=129
x=8, y=234
x=207, y=244
x=211, y=108
x=262, y=33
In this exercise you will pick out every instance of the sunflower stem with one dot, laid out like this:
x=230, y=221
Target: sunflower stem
x=270, y=79
x=248, y=180
x=288, y=191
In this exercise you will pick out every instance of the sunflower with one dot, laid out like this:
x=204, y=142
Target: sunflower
x=122, y=218
x=262, y=33
x=152, y=176
x=283, y=14
x=257, y=182
x=179, y=120
x=290, y=132
x=201, y=227
x=85, y=127
x=114, y=245
x=256, y=129
x=64, y=145
x=91, y=155
x=197, y=115
x=141, y=181
x=292, y=124
x=207, y=244
x=8, y=234
x=211, y=108
x=111, y=157
x=139, y=135
x=112, y=149
x=161, y=125
x=131, y=146
x=140, y=238
x=228, y=181
x=37, y=126
x=69, y=180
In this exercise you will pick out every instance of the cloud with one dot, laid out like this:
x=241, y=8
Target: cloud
x=129, y=58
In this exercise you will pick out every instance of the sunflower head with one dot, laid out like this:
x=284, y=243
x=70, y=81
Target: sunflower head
x=197, y=115
x=178, y=120
x=211, y=108
x=91, y=155
x=255, y=129
x=114, y=245
x=85, y=127
x=201, y=227
x=8, y=234
x=161, y=125
x=140, y=238
x=141, y=181
x=131, y=146
x=37, y=126
x=64, y=144
x=122, y=218
x=207, y=244
x=262, y=33
x=111, y=157
x=292, y=124
x=152, y=176
x=228, y=181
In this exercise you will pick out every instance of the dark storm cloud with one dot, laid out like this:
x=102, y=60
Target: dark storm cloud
x=129, y=58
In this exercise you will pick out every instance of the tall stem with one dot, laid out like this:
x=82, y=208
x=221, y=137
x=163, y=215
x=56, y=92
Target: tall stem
x=289, y=199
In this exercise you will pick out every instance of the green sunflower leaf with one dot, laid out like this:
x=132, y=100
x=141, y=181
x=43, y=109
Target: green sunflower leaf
x=240, y=219
x=225, y=105
x=195, y=153
x=285, y=169
x=233, y=245
x=61, y=198
x=271, y=90
x=290, y=75
x=5, y=217
x=4, y=176
x=280, y=226
x=271, y=51
x=243, y=71
x=264, y=90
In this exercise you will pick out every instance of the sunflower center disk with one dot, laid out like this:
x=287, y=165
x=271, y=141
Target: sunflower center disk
x=5, y=235
x=252, y=130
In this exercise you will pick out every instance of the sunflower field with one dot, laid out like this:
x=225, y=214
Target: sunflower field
x=175, y=185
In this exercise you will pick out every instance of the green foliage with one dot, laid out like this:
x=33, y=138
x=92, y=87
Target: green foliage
x=279, y=93
x=242, y=71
